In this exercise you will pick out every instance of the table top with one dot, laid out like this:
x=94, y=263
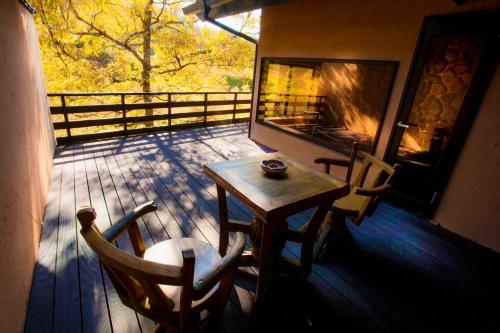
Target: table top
x=300, y=188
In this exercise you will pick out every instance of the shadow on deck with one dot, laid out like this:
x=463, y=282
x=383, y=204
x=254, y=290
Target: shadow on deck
x=408, y=276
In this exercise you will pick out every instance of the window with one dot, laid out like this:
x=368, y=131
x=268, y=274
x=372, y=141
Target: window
x=330, y=102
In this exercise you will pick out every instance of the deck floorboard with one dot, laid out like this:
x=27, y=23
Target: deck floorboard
x=408, y=275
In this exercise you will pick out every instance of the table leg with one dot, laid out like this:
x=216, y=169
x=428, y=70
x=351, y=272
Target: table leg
x=223, y=220
x=272, y=242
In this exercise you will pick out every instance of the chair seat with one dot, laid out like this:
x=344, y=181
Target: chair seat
x=350, y=205
x=169, y=252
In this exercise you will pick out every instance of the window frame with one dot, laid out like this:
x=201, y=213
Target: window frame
x=322, y=142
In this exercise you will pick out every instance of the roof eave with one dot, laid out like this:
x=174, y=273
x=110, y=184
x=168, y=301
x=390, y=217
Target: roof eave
x=222, y=8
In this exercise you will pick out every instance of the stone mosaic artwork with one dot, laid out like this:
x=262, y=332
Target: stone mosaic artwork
x=451, y=63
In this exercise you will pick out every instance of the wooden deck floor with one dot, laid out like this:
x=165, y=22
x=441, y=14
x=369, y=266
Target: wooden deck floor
x=407, y=277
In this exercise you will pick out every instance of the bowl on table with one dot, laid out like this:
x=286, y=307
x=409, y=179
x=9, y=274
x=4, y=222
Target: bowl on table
x=273, y=166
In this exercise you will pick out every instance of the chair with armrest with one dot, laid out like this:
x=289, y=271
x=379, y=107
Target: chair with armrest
x=170, y=282
x=373, y=181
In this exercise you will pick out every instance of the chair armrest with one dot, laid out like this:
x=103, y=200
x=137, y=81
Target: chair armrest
x=113, y=232
x=370, y=192
x=206, y=282
x=333, y=161
x=328, y=162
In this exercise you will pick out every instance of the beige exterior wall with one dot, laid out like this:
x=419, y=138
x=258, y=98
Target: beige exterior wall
x=388, y=30
x=471, y=202
x=26, y=150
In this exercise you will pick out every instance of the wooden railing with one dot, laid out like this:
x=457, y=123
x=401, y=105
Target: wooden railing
x=93, y=116
x=279, y=105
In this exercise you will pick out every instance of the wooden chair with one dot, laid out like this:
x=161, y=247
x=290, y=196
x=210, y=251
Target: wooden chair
x=373, y=181
x=172, y=281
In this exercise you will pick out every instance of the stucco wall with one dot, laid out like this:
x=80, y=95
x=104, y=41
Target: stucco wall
x=382, y=30
x=26, y=150
x=471, y=202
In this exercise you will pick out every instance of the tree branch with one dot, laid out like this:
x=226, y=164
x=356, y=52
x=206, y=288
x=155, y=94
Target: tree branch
x=60, y=50
x=102, y=33
x=179, y=67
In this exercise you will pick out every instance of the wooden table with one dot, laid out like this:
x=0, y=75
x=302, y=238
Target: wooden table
x=272, y=199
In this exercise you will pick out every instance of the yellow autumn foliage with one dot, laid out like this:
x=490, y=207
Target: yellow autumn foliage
x=140, y=45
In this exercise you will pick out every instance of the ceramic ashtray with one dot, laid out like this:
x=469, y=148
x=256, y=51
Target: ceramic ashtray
x=273, y=166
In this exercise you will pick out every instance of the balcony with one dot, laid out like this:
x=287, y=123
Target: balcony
x=72, y=293
x=115, y=151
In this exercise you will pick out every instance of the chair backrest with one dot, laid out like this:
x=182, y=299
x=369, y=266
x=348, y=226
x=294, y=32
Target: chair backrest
x=136, y=280
x=373, y=174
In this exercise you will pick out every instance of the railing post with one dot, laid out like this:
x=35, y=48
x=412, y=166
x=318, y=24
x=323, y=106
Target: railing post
x=66, y=120
x=234, y=107
x=169, y=110
x=124, y=115
x=285, y=111
x=205, y=109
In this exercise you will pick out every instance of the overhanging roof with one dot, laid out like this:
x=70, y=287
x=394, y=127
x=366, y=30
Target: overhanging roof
x=222, y=8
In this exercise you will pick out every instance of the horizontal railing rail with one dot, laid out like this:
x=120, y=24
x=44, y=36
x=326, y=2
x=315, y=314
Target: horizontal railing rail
x=75, y=119
x=290, y=105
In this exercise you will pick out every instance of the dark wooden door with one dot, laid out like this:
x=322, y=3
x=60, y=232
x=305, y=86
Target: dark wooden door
x=452, y=66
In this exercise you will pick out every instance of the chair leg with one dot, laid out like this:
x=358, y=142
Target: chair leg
x=225, y=287
x=334, y=238
x=323, y=235
x=159, y=328
x=211, y=320
x=340, y=241
x=322, y=239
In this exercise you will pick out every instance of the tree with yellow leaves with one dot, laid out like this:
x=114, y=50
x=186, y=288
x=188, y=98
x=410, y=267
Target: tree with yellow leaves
x=138, y=45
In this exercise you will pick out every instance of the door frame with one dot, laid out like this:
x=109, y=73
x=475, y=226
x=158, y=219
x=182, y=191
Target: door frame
x=488, y=20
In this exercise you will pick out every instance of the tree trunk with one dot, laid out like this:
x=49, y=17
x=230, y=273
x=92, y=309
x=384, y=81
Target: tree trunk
x=146, y=64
